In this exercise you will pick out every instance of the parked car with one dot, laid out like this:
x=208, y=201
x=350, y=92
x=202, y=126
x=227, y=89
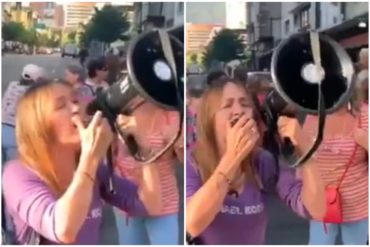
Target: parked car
x=70, y=50
x=57, y=50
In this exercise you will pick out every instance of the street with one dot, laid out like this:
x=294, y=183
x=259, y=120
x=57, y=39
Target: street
x=12, y=65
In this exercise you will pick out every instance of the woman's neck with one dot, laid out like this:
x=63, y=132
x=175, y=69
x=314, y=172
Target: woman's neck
x=64, y=159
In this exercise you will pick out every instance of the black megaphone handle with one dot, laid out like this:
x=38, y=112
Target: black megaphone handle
x=320, y=133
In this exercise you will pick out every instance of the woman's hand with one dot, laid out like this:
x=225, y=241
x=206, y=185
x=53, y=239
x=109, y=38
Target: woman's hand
x=361, y=137
x=126, y=123
x=290, y=128
x=241, y=139
x=96, y=137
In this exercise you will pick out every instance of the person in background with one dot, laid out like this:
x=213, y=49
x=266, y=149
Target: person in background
x=152, y=128
x=83, y=54
x=227, y=173
x=97, y=72
x=76, y=77
x=345, y=144
x=195, y=88
x=214, y=76
x=194, y=99
x=362, y=83
x=55, y=191
x=113, y=66
x=31, y=73
x=241, y=73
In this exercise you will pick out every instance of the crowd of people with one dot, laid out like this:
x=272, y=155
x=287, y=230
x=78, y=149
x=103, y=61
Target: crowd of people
x=55, y=169
x=229, y=166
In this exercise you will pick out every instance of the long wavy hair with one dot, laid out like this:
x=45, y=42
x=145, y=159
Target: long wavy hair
x=34, y=133
x=206, y=153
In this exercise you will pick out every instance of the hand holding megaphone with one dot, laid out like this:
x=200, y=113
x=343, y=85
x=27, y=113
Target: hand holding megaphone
x=289, y=128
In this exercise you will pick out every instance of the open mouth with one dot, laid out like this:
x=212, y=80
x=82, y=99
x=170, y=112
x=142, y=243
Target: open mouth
x=234, y=121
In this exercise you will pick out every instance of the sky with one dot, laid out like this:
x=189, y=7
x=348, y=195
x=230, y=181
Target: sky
x=205, y=12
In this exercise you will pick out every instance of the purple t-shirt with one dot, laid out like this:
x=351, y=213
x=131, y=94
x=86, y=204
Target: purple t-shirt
x=31, y=204
x=243, y=220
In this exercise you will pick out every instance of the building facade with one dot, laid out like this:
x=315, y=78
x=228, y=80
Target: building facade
x=49, y=14
x=22, y=13
x=263, y=31
x=268, y=23
x=148, y=15
x=76, y=13
x=199, y=35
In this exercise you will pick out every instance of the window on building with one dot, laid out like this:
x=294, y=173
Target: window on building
x=318, y=14
x=18, y=5
x=296, y=24
x=180, y=9
x=286, y=26
x=29, y=15
x=169, y=23
x=305, y=17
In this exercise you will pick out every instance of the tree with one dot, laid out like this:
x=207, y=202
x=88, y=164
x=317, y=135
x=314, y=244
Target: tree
x=29, y=37
x=12, y=31
x=192, y=58
x=225, y=47
x=42, y=40
x=108, y=25
x=72, y=36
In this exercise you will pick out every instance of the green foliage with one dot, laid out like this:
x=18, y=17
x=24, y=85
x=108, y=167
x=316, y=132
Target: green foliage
x=42, y=40
x=12, y=31
x=29, y=37
x=192, y=58
x=72, y=36
x=225, y=47
x=107, y=25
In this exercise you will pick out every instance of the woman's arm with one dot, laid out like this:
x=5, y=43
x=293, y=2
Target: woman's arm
x=310, y=190
x=304, y=196
x=361, y=138
x=58, y=220
x=72, y=208
x=204, y=201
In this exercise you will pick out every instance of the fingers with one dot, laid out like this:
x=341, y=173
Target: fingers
x=96, y=120
x=78, y=122
x=241, y=121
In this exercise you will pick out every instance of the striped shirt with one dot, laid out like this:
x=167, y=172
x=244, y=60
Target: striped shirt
x=126, y=166
x=333, y=156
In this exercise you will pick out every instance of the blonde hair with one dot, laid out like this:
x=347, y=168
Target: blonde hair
x=34, y=134
x=206, y=153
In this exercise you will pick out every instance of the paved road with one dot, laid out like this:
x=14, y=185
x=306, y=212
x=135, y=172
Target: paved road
x=12, y=65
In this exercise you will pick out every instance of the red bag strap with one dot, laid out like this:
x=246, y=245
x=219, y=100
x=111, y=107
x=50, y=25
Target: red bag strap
x=351, y=158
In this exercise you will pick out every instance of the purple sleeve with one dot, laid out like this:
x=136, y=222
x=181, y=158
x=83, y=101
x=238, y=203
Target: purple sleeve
x=126, y=197
x=288, y=186
x=27, y=196
x=193, y=180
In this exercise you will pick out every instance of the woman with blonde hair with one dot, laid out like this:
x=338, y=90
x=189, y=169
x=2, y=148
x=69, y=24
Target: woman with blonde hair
x=55, y=190
x=227, y=172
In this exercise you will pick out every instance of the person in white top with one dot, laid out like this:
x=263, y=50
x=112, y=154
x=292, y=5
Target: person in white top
x=97, y=74
x=31, y=73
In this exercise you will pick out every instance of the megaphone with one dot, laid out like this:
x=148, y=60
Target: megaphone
x=311, y=73
x=295, y=79
x=155, y=65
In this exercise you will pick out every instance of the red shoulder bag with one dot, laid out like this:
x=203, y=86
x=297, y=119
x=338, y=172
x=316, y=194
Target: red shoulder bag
x=334, y=212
